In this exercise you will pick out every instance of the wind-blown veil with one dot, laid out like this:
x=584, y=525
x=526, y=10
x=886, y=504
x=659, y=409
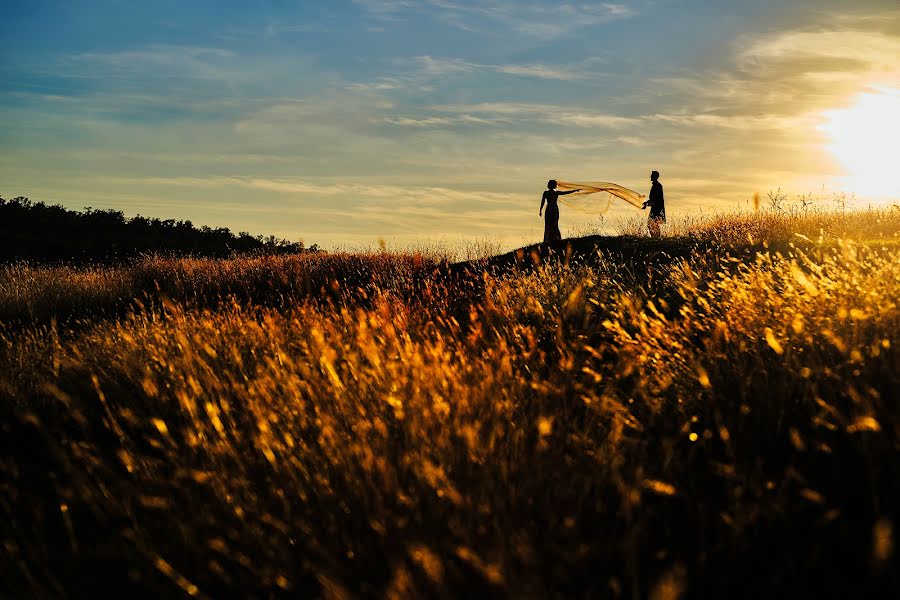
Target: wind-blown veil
x=595, y=197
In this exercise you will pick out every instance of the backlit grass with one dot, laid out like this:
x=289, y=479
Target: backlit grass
x=385, y=425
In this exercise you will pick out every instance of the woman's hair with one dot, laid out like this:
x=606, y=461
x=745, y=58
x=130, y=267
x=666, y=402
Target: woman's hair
x=551, y=184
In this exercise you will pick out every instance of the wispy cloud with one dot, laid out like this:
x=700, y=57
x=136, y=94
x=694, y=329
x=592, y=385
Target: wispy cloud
x=801, y=69
x=840, y=50
x=745, y=123
x=495, y=113
x=428, y=195
x=423, y=73
x=782, y=79
x=537, y=19
x=386, y=8
x=429, y=65
x=156, y=61
x=505, y=113
x=374, y=209
x=434, y=121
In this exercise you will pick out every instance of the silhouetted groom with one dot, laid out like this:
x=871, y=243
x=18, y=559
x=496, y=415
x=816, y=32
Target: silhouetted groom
x=657, y=205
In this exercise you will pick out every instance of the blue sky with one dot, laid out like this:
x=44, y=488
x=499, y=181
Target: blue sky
x=343, y=122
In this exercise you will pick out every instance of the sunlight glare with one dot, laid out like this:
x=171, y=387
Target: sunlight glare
x=865, y=139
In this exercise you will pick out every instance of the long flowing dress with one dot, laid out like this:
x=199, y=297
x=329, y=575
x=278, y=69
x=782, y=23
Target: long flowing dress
x=551, y=218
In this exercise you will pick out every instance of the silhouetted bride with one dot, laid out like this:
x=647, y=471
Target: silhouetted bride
x=551, y=221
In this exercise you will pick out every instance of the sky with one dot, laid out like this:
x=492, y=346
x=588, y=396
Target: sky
x=345, y=122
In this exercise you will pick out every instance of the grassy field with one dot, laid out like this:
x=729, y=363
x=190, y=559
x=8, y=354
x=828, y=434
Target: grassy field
x=710, y=414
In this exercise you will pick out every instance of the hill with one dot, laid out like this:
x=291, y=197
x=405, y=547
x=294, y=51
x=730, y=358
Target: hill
x=713, y=414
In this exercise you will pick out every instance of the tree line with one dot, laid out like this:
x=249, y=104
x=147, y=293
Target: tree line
x=42, y=232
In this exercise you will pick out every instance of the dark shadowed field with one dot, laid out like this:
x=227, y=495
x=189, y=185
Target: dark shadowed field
x=712, y=414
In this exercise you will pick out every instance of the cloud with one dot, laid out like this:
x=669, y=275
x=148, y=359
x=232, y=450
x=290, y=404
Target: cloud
x=359, y=209
x=387, y=8
x=441, y=67
x=810, y=51
x=539, y=72
x=428, y=67
x=427, y=74
x=813, y=66
x=176, y=73
x=154, y=62
x=493, y=113
x=783, y=79
x=382, y=85
x=543, y=20
x=746, y=123
x=427, y=195
x=438, y=121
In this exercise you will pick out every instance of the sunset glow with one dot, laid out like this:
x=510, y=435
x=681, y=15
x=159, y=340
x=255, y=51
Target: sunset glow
x=865, y=138
x=345, y=123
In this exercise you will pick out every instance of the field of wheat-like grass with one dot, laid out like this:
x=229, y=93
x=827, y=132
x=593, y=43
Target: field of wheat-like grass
x=719, y=421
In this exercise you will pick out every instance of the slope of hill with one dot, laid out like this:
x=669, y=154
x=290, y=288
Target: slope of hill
x=712, y=414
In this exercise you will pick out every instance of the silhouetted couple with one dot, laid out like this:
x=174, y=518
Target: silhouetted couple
x=551, y=221
x=655, y=201
x=657, y=205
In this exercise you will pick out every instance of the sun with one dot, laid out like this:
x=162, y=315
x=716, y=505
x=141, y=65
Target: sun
x=865, y=139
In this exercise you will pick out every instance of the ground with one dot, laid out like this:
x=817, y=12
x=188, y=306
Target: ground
x=712, y=414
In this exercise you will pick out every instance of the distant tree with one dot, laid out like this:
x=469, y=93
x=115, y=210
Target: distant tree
x=40, y=232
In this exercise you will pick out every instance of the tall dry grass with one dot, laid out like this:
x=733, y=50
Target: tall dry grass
x=762, y=226
x=37, y=293
x=718, y=427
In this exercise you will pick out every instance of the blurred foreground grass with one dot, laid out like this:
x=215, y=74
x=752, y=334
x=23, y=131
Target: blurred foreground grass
x=717, y=417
